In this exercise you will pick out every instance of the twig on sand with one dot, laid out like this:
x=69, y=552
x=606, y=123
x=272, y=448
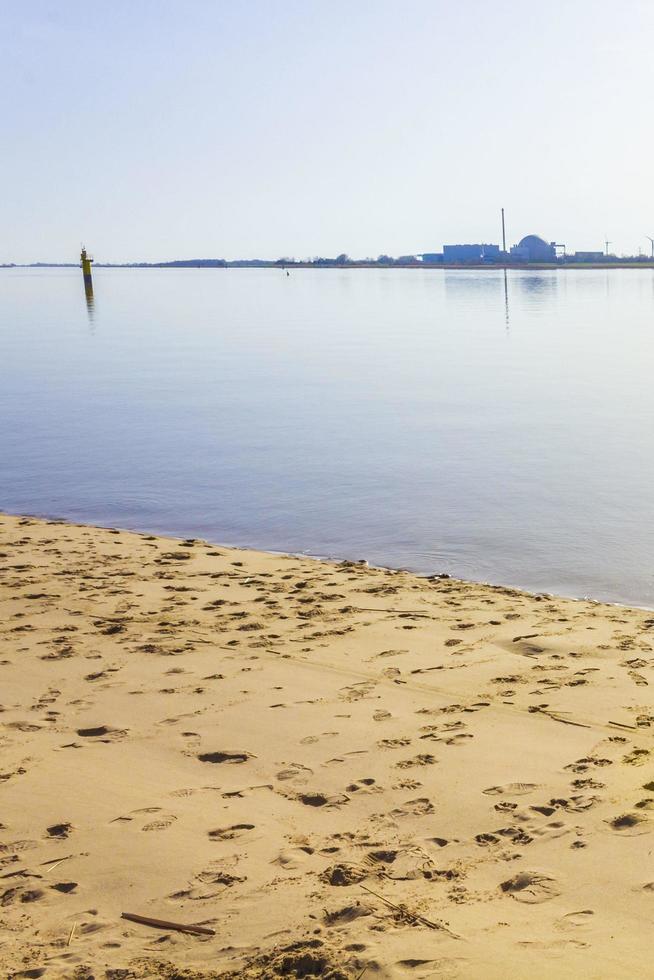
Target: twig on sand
x=621, y=724
x=20, y=873
x=71, y=934
x=408, y=612
x=412, y=915
x=359, y=975
x=556, y=716
x=165, y=924
x=57, y=863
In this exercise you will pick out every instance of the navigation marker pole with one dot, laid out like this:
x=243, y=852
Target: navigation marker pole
x=85, y=262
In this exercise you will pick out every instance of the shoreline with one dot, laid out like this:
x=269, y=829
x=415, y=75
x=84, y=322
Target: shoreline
x=333, y=767
x=336, y=560
x=429, y=266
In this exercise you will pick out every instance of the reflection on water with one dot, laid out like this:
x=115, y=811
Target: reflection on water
x=90, y=301
x=506, y=299
x=538, y=284
x=385, y=414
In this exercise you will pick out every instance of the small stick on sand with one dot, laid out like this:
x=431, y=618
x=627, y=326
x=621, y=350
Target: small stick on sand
x=71, y=934
x=565, y=721
x=412, y=915
x=557, y=716
x=621, y=724
x=165, y=924
x=408, y=612
x=56, y=864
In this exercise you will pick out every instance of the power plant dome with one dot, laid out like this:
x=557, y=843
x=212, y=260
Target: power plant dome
x=533, y=241
x=533, y=248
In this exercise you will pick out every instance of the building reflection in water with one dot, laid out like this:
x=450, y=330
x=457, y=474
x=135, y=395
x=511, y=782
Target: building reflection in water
x=537, y=285
x=479, y=289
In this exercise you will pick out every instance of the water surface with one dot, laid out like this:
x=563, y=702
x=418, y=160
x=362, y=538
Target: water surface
x=429, y=419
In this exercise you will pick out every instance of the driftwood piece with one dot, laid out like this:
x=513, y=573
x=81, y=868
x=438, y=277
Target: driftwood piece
x=145, y=920
x=403, y=910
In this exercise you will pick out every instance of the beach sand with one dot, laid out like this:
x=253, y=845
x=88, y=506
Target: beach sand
x=342, y=771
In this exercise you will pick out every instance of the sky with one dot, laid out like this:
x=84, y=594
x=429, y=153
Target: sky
x=155, y=129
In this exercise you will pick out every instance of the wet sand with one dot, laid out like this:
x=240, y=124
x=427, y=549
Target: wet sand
x=341, y=771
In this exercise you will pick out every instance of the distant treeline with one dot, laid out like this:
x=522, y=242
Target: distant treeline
x=342, y=261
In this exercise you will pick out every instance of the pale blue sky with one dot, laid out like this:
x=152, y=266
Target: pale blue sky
x=155, y=130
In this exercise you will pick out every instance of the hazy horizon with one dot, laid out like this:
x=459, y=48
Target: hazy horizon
x=153, y=131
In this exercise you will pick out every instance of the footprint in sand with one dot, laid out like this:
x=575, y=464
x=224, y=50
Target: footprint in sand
x=161, y=823
x=19, y=893
x=588, y=784
x=583, y=765
x=231, y=833
x=103, y=733
x=630, y=824
x=342, y=875
x=367, y=785
x=531, y=887
x=347, y=913
x=414, y=808
x=356, y=692
x=321, y=799
x=17, y=846
x=637, y=757
x=424, y=759
x=59, y=830
x=230, y=757
x=65, y=887
x=511, y=789
x=217, y=875
x=164, y=820
x=217, y=881
x=311, y=739
x=576, y=920
x=294, y=771
x=575, y=804
x=293, y=857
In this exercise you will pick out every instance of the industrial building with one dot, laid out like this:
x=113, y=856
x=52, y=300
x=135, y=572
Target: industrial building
x=533, y=248
x=470, y=253
x=530, y=249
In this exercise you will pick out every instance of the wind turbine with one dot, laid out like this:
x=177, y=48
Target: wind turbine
x=652, y=242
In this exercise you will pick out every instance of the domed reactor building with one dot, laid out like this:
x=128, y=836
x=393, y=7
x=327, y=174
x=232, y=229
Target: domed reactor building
x=533, y=248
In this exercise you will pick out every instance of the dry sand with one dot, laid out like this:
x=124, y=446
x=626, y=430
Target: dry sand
x=343, y=771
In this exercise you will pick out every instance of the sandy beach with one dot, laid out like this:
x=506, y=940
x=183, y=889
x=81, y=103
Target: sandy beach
x=338, y=771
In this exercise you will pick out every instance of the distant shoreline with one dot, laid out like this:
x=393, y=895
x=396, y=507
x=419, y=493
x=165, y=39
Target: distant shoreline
x=431, y=266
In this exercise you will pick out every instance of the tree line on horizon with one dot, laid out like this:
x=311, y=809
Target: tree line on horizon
x=340, y=261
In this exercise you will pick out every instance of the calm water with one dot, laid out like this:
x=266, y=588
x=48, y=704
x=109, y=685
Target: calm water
x=424, y=419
